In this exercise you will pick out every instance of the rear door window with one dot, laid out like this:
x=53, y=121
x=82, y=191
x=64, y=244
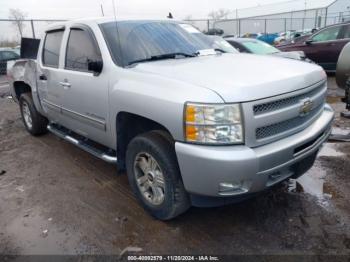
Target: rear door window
x=51, y=52
x=81, y=49
x=328, y=34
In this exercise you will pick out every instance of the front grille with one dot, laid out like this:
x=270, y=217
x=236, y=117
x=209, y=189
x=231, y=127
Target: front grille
x=278, y=104
x=287, y=125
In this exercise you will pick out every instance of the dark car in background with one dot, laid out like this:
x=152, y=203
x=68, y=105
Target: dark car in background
x=324, y=46
x=255, y=46
x=7, y=54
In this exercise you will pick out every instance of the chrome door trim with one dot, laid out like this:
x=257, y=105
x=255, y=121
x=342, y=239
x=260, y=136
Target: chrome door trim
x=92, y=121
x=51, y=106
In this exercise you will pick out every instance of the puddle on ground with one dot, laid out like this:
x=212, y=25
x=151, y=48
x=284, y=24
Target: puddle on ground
x=313, y=182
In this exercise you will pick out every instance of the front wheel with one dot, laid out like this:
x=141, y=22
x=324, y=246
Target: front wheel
x=35, y=123
x=154, y=175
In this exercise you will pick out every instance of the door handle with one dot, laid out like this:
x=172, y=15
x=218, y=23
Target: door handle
x=42, y=77
x=65, y=85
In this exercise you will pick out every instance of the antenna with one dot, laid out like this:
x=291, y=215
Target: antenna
x=103, y=14
x=114, y=12
x=117, y=30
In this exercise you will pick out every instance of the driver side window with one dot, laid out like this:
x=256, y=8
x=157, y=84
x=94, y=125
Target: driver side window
x=328, y=34
x=81, y=49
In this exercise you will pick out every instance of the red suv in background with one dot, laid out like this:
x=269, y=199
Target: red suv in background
x=324, y=46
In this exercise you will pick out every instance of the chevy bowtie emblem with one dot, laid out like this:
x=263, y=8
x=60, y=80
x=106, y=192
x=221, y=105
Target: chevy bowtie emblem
x=306, y=107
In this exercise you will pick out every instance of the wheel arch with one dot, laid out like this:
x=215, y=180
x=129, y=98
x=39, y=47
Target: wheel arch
x=20, y=87
x=128, y=126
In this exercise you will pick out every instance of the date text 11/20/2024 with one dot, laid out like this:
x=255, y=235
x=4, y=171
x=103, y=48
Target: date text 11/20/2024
x=174, y=258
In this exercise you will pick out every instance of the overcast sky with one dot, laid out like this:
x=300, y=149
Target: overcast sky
x=70, y=9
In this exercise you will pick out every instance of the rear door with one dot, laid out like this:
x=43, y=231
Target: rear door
x=85, y=102
x=50, y=91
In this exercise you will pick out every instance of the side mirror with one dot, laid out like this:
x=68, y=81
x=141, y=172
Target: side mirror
x=309, y=41
x=95, y=66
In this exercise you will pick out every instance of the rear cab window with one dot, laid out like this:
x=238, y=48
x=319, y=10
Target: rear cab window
x=81, y=49
x=51, y=50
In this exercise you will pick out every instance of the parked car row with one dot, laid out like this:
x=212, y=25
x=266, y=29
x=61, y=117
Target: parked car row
x=251, y=46
x=292, y=34
x=321, y=46
x=266, y=37
x=254, y=46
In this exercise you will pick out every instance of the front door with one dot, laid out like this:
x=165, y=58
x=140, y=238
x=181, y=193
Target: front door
x=324, y=47
x=85, y=99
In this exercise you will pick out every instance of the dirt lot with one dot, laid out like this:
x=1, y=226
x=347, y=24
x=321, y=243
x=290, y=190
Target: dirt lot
x=56, y=199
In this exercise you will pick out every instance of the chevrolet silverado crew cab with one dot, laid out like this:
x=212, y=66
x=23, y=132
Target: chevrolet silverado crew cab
x=190, y=124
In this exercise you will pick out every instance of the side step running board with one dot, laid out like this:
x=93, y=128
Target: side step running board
x=82, y=144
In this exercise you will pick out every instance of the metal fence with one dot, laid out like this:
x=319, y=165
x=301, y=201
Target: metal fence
x=32, y=28
x=10, y=33
x=268, y=25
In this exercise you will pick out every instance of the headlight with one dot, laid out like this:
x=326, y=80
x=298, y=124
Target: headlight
x=213, y=123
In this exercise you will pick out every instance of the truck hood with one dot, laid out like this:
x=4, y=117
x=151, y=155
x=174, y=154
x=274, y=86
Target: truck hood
x=238, y=77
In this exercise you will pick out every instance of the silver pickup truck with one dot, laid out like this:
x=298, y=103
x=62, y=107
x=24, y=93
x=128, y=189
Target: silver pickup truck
x=190, y=124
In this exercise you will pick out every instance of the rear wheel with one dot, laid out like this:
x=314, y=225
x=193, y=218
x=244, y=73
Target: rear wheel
x=35, y=123
x=154, y=175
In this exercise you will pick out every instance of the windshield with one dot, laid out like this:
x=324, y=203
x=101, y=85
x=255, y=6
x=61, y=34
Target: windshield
x=135, y=41
x=259, y=47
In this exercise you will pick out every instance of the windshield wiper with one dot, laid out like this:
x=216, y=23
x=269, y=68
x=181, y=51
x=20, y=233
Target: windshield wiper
x=220, y=50
x=162, y=57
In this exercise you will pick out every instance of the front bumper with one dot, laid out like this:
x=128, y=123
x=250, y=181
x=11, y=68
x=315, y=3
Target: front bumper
x=223, y=171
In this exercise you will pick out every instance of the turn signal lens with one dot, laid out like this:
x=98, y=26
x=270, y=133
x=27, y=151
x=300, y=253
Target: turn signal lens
x=191, y=133
x=190, y=114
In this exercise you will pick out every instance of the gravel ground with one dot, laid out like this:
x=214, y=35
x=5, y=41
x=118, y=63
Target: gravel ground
x=57, y=199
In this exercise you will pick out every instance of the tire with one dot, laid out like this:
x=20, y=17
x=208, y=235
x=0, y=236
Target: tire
x=160, y=147
x=38, y=123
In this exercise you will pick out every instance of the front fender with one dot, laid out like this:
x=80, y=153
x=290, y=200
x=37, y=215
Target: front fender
x=157, y=98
